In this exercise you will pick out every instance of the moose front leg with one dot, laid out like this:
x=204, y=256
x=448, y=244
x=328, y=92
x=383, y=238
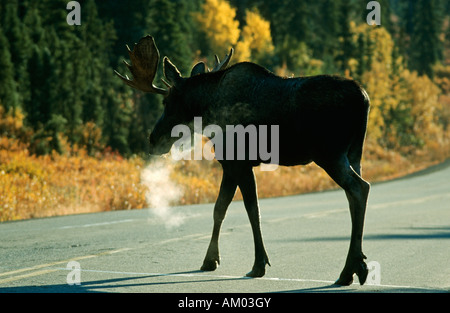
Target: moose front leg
x=247, y=185
x=226, y=193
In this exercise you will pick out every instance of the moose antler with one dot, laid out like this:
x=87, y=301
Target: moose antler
x=144, y=64
x=222, y=65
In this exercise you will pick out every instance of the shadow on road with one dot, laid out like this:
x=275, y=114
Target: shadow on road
x=419, y=233
x=364, y=289
x=110, y=285
x=106, y=285
x=126, y=284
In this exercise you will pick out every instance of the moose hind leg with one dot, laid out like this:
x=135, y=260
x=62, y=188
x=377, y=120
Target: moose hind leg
x=357, y=192
x=226, y=193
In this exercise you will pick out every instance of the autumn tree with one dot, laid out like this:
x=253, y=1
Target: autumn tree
x=404, y=104
x=61, y=77
x=218, y=21
x=256, y=40
x=389, y=124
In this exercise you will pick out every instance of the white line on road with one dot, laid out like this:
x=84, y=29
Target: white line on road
x=243, y=278
x=97, y=224
x=15, y=277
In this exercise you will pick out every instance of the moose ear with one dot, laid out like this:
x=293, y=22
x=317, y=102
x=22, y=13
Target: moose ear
x=199, y=68
x=171, y=72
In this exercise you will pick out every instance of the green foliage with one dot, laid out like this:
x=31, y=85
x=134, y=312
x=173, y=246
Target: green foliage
x=425, y=42
x=66, y=120
x=61, y=77
x=8, y=85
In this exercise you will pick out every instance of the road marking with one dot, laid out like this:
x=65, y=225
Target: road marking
x=383, y=205
x=19, y=277
x=42, y=272
x=97, y=224
x=240, y=278
x=409, y=201
x=324, y=213
x=26, y=269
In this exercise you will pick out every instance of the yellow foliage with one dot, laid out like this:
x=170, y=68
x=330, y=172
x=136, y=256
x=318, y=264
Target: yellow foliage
x=243, y=51
x=379, y=39
x=406, y=109
x=257, y=32
x=199, y=180
x=442, y=77
x=11, y=123
x=91, y=137
x=218, y=21
x=404, y=105
x=256, y=37
x=377, y=79
x=377, y=85
x=32, y=186
x=423, y=95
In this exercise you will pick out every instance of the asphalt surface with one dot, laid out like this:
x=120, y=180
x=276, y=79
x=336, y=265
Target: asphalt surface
x=406, y=239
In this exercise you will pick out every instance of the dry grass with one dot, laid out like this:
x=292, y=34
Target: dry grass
x=49, y=185
x=55, y=184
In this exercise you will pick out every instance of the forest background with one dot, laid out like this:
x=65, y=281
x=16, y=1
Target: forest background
x=74, y=138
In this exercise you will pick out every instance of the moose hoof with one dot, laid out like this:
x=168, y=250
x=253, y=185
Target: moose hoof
x=210, y=265
x=346, y=278
x=344, y=281
x=259, y=268
x=362, y=273
x=257, y=271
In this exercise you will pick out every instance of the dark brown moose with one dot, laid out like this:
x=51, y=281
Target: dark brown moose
x=321, y=119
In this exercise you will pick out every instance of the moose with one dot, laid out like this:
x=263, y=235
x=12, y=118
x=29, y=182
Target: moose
x=321, y=119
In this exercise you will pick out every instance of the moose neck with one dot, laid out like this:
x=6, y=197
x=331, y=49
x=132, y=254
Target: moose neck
x=202, y=92
x=244, y=93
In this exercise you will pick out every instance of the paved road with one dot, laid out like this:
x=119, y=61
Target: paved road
x=407, y=239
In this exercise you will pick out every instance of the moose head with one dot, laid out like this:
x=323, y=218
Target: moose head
x=144, y=65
